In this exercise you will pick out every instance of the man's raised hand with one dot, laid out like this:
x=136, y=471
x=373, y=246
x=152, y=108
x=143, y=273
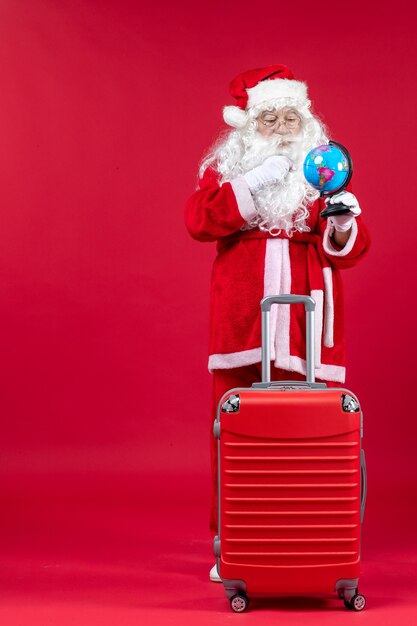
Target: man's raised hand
x=273, y=170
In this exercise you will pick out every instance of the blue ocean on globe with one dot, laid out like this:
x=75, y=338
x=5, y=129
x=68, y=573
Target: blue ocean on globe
x=326, y=168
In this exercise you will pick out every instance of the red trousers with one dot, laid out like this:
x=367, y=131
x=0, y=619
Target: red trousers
x=226, y=379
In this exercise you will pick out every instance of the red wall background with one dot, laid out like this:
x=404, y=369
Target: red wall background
x=105, y=110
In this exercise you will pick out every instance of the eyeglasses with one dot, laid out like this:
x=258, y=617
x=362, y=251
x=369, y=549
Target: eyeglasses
x=290, y=121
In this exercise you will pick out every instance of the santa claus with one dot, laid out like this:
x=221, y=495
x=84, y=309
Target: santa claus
x=254, y=201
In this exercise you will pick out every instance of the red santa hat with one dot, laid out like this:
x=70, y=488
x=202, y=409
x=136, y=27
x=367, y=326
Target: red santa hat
x=272, y=84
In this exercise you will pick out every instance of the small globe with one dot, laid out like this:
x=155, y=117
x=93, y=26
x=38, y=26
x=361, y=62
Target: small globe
x=328, y=168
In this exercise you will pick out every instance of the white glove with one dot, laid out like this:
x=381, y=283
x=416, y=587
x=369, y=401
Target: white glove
x=273, y=170
x=343, y=222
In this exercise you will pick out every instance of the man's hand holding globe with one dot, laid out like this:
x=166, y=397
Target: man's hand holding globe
x=343, y=223
x=328, y=168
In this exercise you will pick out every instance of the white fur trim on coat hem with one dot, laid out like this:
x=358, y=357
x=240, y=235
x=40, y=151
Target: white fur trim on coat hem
x=335, y=373
x=328, y=248
x=234, y=359
x=244, y=198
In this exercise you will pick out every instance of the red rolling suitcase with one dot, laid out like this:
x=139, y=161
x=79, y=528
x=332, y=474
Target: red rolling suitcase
x=292, y=484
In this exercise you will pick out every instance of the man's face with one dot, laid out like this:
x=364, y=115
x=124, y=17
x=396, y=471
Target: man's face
x=285, y=121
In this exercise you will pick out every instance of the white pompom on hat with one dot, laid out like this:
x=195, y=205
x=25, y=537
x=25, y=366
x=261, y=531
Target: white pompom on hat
x=263, y=85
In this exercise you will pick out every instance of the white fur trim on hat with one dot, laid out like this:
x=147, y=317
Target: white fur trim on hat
x=234, y=116
x=279, y=88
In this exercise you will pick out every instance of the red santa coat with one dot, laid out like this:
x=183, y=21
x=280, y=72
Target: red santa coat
x=253, y=264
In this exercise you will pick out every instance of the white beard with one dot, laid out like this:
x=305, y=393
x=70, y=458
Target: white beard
x=280, y=206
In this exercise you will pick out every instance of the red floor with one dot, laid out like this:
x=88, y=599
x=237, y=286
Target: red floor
x=110, y=552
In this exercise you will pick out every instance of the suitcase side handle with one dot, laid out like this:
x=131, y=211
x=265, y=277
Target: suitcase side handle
x=309, y=305
x=363, y=483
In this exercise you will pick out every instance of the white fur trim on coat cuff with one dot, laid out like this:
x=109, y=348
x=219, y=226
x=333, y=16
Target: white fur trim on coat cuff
x=348, y=245
x=243, y=198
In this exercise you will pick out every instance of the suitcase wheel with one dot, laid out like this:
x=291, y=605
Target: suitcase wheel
x=357, y=603
x=239, y=602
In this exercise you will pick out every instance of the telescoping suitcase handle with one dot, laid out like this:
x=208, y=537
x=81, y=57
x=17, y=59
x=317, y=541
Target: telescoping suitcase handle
x=309, y=305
